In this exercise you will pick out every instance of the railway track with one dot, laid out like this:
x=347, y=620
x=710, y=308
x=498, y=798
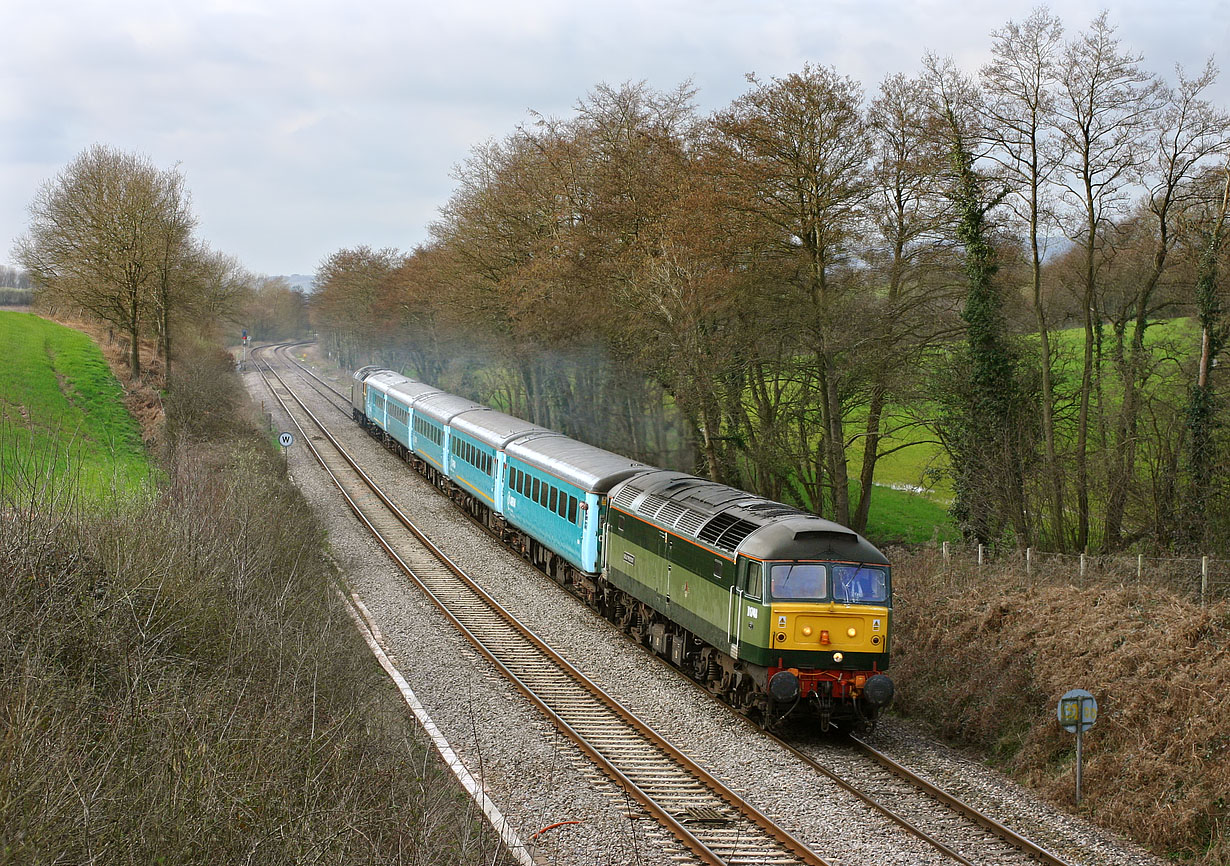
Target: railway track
x=712, y=823
x=954, y=828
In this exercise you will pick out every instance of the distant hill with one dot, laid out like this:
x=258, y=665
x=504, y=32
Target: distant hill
x=304, y=282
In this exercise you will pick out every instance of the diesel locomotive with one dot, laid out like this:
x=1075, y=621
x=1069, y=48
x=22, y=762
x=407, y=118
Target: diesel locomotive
x=772, y=608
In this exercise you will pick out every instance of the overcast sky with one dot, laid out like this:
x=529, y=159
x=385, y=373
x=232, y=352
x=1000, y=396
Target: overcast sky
x=305, y=127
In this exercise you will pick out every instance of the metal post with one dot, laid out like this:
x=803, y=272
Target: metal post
x=1080, y=746
x=1204, y=581
x=1082, y=568
x=1029, y=562
x=980, y=548
x=1140, y=566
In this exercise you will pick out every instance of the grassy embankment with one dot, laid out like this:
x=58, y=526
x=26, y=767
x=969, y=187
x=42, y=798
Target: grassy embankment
x=178, y=683
x=61, y=412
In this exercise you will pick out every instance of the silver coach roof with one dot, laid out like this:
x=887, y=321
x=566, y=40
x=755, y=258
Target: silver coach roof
x=408, y=390
x=443, y=407
x=383, y=380
x=584, y=466
x=494, y=428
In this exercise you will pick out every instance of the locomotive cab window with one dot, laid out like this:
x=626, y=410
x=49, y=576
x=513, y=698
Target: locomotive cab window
x=798, y=581
x=859, y=584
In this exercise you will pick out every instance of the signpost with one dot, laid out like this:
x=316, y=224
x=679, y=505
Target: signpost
x=285, y=440
x=1078, y=710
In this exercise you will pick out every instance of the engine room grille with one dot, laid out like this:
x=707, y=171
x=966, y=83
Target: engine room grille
x=627, y=496
x=690, y=521
x=725, y=531
x=773, y=509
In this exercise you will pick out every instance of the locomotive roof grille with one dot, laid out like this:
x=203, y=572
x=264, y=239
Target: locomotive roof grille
x=725, y=531
x=652, y=504
x=690, y=521
x=627, y=496
x=773, y=509
x=670, y=512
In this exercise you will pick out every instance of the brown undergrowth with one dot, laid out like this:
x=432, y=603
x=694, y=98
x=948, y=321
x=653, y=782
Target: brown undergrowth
x=178, y=683
x=986, y=664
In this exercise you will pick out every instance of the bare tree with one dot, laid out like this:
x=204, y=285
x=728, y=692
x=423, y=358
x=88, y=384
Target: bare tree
x=101, y=234
x=173, y=253
x=986, y=416
x=801, y=150
x=1020, y=84
x=1189, y=132
x=906, y=211
x=1106, y=104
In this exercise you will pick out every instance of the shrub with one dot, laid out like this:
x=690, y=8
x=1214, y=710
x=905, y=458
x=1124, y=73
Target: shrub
x=179, y=685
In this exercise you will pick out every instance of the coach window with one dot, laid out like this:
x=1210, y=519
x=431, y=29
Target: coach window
x=572, y=510
x=554, y=499
x=534, y=494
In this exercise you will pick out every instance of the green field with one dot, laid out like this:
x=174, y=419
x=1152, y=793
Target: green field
x=898, y=514
x=61, y=415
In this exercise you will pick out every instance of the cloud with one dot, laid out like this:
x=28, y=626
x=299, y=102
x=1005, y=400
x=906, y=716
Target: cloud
x=304, y=127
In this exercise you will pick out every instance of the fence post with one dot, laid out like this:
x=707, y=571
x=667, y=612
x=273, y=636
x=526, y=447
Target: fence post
x=1140, y=566
x=1204, y=581
x=1082, y=568
x=980, y=556
x=1029, y=562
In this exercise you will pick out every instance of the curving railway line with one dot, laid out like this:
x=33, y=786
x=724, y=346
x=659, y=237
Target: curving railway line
x=712, y=822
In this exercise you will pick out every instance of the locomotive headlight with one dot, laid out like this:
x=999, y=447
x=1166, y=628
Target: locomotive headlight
x=806, y=631
x=851, y=632
x=837, y=657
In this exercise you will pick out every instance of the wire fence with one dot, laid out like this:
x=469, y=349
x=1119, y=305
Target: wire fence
x=1202, y=579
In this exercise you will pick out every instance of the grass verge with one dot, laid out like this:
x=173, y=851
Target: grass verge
x=62, y=413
